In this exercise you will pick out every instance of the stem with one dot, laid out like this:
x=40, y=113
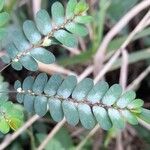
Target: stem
x=5, y=67
x=91, y=133
x=8, y=92
x=100, y=55
x=51, y=134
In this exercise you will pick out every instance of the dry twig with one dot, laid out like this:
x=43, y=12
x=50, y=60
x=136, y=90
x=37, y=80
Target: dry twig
x=100, y=55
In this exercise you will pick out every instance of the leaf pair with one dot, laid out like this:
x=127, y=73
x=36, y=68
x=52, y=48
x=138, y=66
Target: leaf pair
x=84, y=102
x=27, y=47
x=11, y=116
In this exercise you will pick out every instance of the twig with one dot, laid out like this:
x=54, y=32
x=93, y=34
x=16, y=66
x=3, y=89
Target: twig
x=119, y=145
x=100, y=55
x=108, y=65
x=36, y=6
x=5, y=67
x=74, y=51
x=77, y=132
x=124, y=69
x=86, y=72
x=51, y=134
x=138, y=80
x=144, y=124
x=91, y=133
x=54, y=68
x=12, y=137
x=2, y=53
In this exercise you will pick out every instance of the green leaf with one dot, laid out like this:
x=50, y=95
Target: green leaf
x=20, y=98
x=20, y=41
x=10, y=115
x=53, y=84
x=86, y=116
x=137, y=103
x=116, y=118
x=29, y=102
x=42, y=20
x=1, y=4
x=16, y=65
x=40, y=105
x=15, y=123
x=97, y=92
x=43, y=55
x=136, y=110
x=31, y=32
x=39, y=83
x=112, y=95
x=145, y=115
x=81, y=7
x=67, y=87
x=77, y=29
x=70, y=112
x=17, y=112
x=102, y=117
x=58, y=13
x=70, y=8
x=4, y=127
x=65, y=38
x=55, y=109
x=4, y=17
x=83, y=19
x=29, y=63
x=130, y=117
x=125, y=99
x=12, y=50
x=17, y=84
x=28, y=83
x=82, y=89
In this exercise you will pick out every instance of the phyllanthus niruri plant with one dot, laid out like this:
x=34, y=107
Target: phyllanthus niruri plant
x=11, y=116
x=83, y=101
x=62, y=28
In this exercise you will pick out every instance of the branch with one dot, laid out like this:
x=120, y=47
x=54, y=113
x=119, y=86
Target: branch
x=100, y=55
x=54, y=68
x=91, y=133
x=108, y=65
x=124, y=69
x=51, y=134
x=138, y=80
